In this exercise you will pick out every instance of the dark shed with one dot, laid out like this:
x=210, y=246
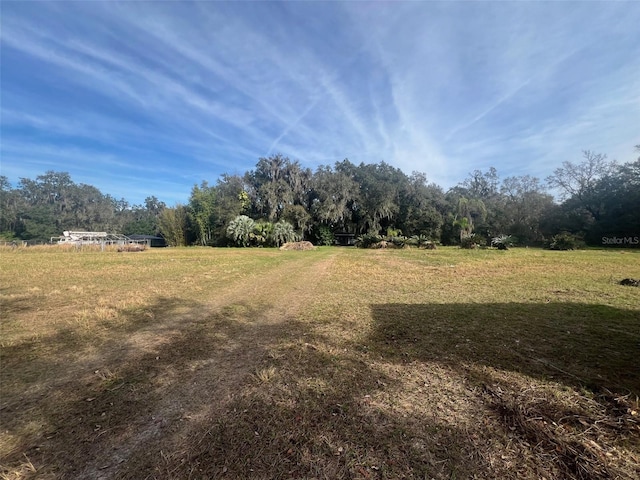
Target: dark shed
x=151, y=240
x=345, y=239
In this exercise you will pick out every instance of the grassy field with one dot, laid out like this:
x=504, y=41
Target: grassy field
x=329, y=364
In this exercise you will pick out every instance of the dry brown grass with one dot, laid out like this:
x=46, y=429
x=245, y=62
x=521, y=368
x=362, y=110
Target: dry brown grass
x=303, y=246
x=333, y=363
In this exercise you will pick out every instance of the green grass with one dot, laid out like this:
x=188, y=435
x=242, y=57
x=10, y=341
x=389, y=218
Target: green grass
x=334, y=363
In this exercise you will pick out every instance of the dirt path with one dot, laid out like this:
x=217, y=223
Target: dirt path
x=190, y=372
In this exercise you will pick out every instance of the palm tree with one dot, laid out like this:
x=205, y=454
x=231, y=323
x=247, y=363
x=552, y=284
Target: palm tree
x=240, y=230
x=283, y=232
x=466, y=226
x=262, y=233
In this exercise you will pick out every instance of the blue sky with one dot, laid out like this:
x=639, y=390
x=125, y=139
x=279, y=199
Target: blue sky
x=150, y=98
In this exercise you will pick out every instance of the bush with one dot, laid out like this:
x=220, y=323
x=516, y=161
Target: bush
x=323, y=235
x=240, y=230
x=470, y=241
x=502, y=242
x=262, y=234
x=283, y=232
x=398, y=242
x=421, y=241
x=565, y=241
x=368, y=240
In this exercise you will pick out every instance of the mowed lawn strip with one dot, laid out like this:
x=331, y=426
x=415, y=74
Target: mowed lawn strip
x=334, y=363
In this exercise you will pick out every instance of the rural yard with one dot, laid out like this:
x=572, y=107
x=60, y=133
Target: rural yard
x=336, y=363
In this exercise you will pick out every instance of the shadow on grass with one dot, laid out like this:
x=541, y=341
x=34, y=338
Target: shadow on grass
x=184, y=390
x=37, y=359
x=199, y=402
x=317, y=421
x=63, y=392
x=17, y=304
x=592, y=346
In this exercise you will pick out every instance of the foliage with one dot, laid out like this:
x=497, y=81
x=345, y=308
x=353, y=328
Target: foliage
x=525, y=205
x=241, y=230
x=422, y=207
x=202, y=205
x=502, y=242
x=283, y=232
x=469, y=241
x=565, y=241
x=276, y=183
x=333, y=198
x=397, y=241
x=465, y=225
x=420, y=241
x=298, y=217
x=322, y=235
x=245, y=232
x=368, y=240
x=173, y=223
x=262, y=234
x=580, y=180
x=393, y=232
x=599, y=198
x=380, y=186
x=469, y=211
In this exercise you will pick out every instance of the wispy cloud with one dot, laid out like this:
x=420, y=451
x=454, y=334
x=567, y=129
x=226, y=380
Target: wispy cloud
x=182, y=92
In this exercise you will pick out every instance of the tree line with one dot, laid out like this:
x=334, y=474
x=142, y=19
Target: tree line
x=279, y=201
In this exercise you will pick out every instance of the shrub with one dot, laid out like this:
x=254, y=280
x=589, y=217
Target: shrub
x=565, y=241
x=468, y=241
x=323, y=235
x=421, y=241
x=368, y=240
x=262, y=234
x=398, y=242
x=240, y=230
x=283, y=232
x=412, y=241
x=393, y=232
x=502, y=242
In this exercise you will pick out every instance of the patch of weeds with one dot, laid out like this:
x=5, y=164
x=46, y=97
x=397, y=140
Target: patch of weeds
x=265, y=375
